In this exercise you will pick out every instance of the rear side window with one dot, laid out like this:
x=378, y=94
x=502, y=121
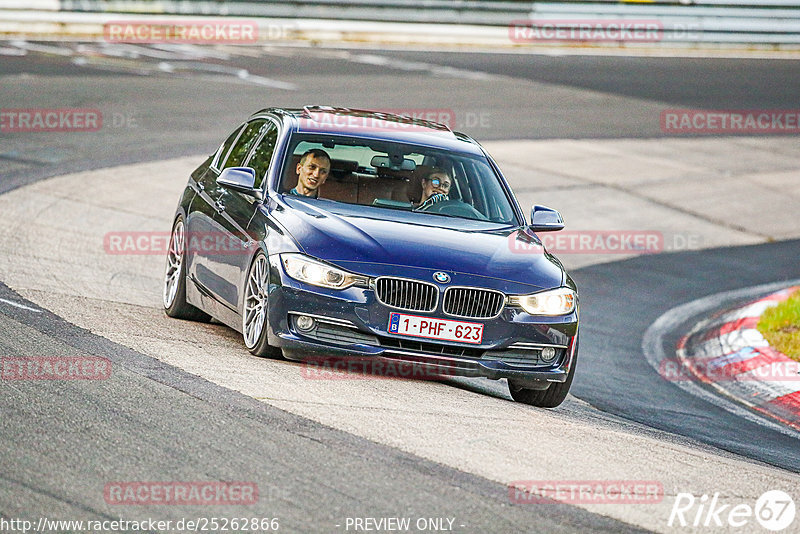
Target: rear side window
x=244, y=144
x=262, y=155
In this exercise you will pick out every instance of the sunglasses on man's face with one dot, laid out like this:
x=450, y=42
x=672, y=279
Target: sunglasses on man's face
x=436, y=181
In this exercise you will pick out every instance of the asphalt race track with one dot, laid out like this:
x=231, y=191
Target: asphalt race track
x=348, y=450
x=616, y=332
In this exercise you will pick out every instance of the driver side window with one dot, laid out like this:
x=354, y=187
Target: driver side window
x=244, y=144
x=226, y=146
x=262, y=154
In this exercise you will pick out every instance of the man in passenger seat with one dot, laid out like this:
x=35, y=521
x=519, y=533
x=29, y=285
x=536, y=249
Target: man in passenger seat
x=435, y=188
x=312, y=171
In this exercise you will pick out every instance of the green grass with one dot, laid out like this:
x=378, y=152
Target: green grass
x=780, y=326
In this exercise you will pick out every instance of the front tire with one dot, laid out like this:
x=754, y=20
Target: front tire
x=256, y=307
x=551, y=397
x=174, y=294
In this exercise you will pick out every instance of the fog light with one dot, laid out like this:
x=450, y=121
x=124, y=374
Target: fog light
x=305, y=323
x=548, y=354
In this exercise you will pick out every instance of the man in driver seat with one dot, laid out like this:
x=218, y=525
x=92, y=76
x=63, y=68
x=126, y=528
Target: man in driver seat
x=435, y=188
x=312, y=171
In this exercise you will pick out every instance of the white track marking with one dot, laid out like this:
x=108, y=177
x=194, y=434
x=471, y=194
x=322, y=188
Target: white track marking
x=21, y=306
x=240, y=73
x=13, y=51
x=416, y=66
x=45, y=49
x=189, y=51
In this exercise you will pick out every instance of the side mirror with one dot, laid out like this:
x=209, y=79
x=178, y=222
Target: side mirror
x=544, y=219
x=241, y=179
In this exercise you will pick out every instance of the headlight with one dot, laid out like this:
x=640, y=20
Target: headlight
x=559, y=301
x=317, y=273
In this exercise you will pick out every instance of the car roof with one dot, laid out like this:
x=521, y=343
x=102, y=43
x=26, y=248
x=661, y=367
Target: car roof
x=367, y=124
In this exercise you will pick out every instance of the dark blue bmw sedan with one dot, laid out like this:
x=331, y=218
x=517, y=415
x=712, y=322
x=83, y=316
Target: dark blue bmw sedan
x=337, y=233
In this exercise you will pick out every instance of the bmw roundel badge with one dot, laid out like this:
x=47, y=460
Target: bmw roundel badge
x=441, y=277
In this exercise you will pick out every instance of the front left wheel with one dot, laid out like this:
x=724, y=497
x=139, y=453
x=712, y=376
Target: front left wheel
x=256, y=307
x=549, y=397
x=174, y=294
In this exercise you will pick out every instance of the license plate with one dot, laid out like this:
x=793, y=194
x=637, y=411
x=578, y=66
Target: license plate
x=432, y=328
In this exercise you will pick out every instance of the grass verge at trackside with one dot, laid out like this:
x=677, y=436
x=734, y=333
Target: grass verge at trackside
x=780, y=326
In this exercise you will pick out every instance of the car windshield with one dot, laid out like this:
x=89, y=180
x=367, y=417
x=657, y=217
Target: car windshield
x=402, y=177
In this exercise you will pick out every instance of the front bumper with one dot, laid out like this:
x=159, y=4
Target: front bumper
x=352, y=324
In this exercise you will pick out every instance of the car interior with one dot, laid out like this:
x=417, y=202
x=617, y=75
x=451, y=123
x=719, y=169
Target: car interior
x=347, y=183
x=391, y=176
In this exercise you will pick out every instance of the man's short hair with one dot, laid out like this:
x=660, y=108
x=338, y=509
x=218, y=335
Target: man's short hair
x=316, y=152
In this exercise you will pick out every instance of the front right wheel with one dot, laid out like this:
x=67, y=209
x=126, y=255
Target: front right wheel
x=256, y=307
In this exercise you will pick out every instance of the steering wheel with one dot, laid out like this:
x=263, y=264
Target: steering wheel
x=456, y=208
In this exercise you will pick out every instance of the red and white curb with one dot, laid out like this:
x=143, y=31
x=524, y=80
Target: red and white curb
x=728, y=353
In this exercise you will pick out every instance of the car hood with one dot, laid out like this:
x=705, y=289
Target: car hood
x=349, y=234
